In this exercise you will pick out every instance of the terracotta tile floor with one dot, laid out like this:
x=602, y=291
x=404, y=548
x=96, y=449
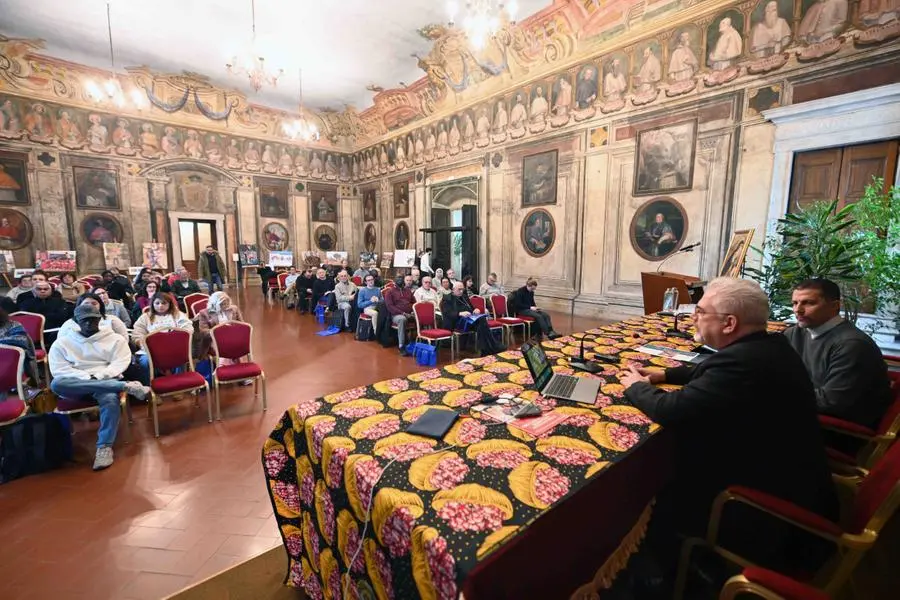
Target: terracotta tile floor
x=176, y=510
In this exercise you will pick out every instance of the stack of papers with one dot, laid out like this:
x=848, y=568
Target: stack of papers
x=654, y=350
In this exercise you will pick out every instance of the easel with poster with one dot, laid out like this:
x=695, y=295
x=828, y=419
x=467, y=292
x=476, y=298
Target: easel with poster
x=7, y=265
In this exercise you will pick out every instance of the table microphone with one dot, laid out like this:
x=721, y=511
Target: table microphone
x=582, y=364
x=675, y=332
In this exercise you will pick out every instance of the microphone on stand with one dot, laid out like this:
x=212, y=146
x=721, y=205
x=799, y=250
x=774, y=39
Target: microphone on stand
x=582, y=364
x=675, y=332
x=688, y=248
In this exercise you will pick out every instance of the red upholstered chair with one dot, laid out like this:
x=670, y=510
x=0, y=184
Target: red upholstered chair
x=426, y=326
x=282, y=282
x=168, y=350
x=389, y=284
x=12, y=370
x=232, y=340
x=34, y=327
x=493, y=324
x=196, y=306
x=54, y=280
x=86, y=404
x=357, y=280
x=498, y=303
x=190, y=299
x=875, y=501
x=769, y=585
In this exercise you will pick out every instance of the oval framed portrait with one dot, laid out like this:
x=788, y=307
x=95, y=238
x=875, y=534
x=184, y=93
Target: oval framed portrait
x=370, y=237
x=401, y=236
x=538, y=232
x=275, y=236
x=658, y=228
x=325, y=237
x=15, y=229
x=101, y=228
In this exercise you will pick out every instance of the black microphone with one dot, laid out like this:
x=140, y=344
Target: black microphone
x=675, y=332
x=583, y=365
x=690, y=247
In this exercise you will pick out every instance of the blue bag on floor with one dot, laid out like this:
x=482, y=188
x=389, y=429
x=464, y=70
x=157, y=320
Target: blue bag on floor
x=320, y=313
x=204, y=367
x=426, y=355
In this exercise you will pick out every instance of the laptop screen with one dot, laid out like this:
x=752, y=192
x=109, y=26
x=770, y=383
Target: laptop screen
x=541, y=371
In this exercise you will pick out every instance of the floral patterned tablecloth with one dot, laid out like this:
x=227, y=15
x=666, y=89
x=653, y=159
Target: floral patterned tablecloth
x=434, y=516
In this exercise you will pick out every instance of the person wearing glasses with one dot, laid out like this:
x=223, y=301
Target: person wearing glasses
x=522, y=303
x=746, y=416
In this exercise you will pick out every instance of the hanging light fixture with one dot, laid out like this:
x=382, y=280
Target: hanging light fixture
x=301, y=128
x=251, y=64
x=482, y=19
x=110, y=91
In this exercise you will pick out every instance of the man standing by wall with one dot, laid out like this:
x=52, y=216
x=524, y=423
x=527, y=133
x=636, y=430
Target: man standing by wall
x=211, y=269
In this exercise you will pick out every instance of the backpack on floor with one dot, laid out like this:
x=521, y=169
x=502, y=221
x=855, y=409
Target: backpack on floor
x=337, y=319
x=364, y=332
x=34, y=444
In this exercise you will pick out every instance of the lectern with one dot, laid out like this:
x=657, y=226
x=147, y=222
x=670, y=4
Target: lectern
x=654, y=285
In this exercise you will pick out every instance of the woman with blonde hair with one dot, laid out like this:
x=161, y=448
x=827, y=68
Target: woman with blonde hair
x=219, y=309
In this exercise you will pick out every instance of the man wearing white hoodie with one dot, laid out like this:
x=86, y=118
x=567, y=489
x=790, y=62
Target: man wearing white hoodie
x=91, y=363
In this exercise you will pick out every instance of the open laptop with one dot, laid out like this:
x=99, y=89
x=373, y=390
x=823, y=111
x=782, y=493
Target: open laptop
x=554, y=385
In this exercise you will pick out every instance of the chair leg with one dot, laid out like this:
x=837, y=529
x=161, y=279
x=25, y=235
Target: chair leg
x=265, y=400
x=154, y=412
x=209, y=401
x=684, y=564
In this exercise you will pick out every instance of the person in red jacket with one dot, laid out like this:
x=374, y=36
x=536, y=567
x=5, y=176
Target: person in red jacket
x=398, y=302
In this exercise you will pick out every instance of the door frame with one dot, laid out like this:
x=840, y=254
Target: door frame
x=174, y=230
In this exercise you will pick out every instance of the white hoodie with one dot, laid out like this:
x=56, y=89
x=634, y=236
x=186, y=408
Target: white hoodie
x=105, y=355
x=111, y=322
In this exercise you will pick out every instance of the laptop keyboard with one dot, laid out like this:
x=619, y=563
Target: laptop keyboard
x=561, y=386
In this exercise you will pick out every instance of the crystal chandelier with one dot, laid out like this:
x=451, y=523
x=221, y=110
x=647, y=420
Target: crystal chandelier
x=251, y=63
x=110, y=91
x=483, y=18
x=300, y=128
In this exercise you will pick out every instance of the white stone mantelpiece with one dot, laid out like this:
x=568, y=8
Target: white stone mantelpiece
x=855, y=118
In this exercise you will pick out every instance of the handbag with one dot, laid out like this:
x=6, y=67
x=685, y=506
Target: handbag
x=45, y=402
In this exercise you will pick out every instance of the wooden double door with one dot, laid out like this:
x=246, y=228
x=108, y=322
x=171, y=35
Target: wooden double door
x=195, y=235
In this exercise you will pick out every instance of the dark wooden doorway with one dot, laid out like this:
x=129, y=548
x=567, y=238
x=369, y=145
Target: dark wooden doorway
x=195, y=235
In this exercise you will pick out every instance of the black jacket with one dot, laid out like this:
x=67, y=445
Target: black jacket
x=304, y=283
x=451, y=306
x=745, y=416
x=56, y=311
x=519, y=300
x=119, y=288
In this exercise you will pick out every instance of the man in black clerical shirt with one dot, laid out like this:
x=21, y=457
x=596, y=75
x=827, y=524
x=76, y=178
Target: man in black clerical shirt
x=746, y=416
x=846, y=366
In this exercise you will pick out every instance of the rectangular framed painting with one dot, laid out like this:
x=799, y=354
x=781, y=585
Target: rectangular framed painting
x=401, y=200
x=736, y=253
x=664, y=159
x=249, y=255
x=7, y=261
x=323, y=204
x=156, y=255
x=273, y=199
x=116, y=256
x=97, y=188
x=56, y=261
x=281, y=258
x=539, y=180
x=13, y=178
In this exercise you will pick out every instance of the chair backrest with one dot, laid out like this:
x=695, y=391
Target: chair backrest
x=33, y=324
x=195, y=307
x=169, y=349
x=389, y=284
x=878, y=495
x=191, y=298
x=356, y=279
x=498, y=303
x=12, y=368
x=424, y=312
x=890, y=421
x=282, y=281
x=232, y=339
x=87, y=283
x=54, y=280
x=477, y=302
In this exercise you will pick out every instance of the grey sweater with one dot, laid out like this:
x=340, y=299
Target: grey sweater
x=848, y=372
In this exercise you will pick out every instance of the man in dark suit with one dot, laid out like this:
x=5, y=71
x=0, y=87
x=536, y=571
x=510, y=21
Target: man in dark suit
x=455, y=305
x=746, y=416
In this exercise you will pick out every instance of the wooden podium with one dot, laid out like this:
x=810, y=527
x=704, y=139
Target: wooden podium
x=654, y=286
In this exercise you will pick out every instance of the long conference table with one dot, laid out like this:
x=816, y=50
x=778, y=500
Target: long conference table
x=498, y=513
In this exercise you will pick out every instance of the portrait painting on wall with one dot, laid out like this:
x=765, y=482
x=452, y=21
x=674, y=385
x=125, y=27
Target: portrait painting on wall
x=646, y=66
x=249, y=255
x=664, y=160
x=401, y=200
x=736, y=253
x=539, y=178
x=116, y=256
x=615, y=76
x=13, y=178
x=369, y=238
x=15, y=230
x=401, y=236
x=273, y=199
x=312, y=259
x=724, y=43
x=770, y=27
x=561, y=96
x=325, y=237
x=658, y=228
x=275, y=236
x=538, y=232
x=370, y=206
x=823, y=20
x=98, y=229
x=684, y=53
x=97, y=188
x=323, y=204
x=586, y=86
x=156, y=255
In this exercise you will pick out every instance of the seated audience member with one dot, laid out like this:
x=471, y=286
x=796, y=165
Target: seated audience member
x=147, y=291
x=345, y=266
x=521, y=302
x=846, y=366
x=361, y=272
x=92, y=363
x=44, y=300
x=293, y=275
x=345, y=295
x=68, y=288
x=746, y=416
x=12, y=333
x=304, y=288
x=446, y=286
x=183, y=286
x=491, y=287
x=163, y=314
x=417, y=277
x=218, y=310
x=107, y=321
x=451, y=275
x=211, y=269
x=469, y=285
x=112, y=307
x=438, y=275
x=457, y=305
x=368, y=299
x=39, y=275
x=399, y=300
x=428, y=293
x=117, y=285
x=36, y=276
x=322, y=287
x=376, y=273
x=141, y=279
x=24, y=287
